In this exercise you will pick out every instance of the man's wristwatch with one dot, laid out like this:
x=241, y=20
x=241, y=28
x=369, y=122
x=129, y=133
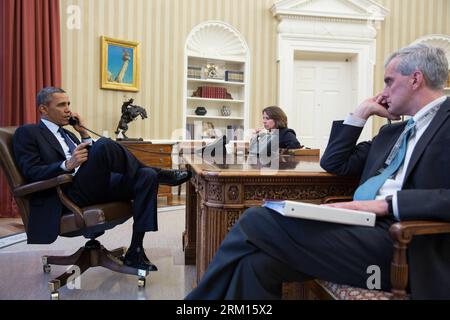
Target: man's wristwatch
x=390, y=208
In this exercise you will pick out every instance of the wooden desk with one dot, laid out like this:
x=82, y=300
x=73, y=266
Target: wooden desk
x=153, y=155
x=218, y=194
x=303, y=152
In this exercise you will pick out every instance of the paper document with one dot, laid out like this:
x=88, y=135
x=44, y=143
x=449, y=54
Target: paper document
x=321, y=213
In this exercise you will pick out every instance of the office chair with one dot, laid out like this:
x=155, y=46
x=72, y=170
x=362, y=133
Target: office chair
x=402, y=234
x=90, y=222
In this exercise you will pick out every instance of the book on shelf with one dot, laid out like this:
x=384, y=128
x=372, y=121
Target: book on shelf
x=236, y=76
x=212, y=93
x=194, y=72
x=198, y=129
x=190, y=131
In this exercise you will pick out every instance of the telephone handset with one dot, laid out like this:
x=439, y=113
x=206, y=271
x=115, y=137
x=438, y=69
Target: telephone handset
x=384, y=104
x=73, y=121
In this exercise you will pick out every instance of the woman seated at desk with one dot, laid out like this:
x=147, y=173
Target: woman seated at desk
x=274, y=118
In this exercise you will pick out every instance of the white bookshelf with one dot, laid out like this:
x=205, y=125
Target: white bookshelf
x=206, y=46
x=215, y=81
x=216, y=117
x=204, y=100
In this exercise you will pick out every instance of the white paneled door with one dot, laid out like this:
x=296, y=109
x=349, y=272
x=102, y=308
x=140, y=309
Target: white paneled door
x=322, y=93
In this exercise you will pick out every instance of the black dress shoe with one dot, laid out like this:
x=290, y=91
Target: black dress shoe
x=137, y=259
x=173, y=177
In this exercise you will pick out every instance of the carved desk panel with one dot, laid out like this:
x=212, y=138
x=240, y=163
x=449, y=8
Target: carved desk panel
x=219, y=193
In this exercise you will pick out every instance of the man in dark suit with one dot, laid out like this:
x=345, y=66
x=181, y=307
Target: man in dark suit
x=264, y=248
x=103, y=171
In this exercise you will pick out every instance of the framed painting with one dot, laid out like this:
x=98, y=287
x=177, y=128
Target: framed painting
x=120, y=64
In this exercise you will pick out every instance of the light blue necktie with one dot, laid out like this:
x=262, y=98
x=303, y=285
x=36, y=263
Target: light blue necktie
x=368, y=190
x=69, y=142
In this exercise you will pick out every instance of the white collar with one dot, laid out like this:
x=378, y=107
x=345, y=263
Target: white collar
x=53, y=127
x=428, y=107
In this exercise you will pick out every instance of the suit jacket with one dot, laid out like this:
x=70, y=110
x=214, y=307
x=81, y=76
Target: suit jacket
x=262, y=144
x=425, y=193
x=39, y=156
x=288, y=139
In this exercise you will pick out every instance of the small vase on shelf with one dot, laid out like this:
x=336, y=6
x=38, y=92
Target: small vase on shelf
x=200, y=111
x=225, y=111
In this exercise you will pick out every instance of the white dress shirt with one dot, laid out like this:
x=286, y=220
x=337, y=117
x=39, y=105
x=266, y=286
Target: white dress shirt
x=391, y=186
x=54, y=129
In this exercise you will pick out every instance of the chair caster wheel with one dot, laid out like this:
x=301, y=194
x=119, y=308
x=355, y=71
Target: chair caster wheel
x=54, y=295
x=141, y=282
x=46, y=268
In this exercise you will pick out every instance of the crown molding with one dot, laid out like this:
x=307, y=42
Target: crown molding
x=338, y=9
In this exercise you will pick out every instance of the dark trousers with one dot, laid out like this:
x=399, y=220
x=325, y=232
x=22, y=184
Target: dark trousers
x=112, y=173
x=264, y=249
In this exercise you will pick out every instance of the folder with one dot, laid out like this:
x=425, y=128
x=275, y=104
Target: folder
x=311, y=211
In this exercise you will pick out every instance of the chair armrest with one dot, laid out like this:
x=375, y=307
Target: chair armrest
x=336, y=199
x=402, y=234
x=33, y=187
x=404, y=231
x=56, y=182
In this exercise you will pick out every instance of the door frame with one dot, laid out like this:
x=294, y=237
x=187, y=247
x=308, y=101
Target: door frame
x=347, y=92
x=363, y=50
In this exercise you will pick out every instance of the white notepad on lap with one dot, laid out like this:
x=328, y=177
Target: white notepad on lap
x=311, y=211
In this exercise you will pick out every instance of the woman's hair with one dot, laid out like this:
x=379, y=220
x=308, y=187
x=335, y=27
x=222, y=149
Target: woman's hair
x=277, y=115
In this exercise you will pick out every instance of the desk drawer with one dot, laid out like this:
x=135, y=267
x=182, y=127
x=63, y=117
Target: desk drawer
x=153, y=155
x=160, y=162
x=159, y=148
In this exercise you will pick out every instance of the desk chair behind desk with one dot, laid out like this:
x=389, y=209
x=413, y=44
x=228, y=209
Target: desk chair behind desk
x=90, y=222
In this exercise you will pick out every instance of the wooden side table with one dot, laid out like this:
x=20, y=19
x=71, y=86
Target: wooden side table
x=153, y=155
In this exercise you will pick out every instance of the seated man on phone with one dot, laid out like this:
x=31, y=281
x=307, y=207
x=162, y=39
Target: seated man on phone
x=405, y=176
x=103, y=171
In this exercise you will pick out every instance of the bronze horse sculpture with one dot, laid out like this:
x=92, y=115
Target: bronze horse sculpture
x=129, y=113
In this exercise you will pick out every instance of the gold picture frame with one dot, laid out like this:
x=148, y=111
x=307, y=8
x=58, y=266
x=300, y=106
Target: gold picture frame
x=120, y=64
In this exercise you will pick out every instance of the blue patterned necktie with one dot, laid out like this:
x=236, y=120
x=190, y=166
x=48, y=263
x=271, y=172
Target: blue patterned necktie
x=69, y=142
x=369, y=189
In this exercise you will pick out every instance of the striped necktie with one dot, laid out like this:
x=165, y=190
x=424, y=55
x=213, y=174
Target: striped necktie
x=69, y=142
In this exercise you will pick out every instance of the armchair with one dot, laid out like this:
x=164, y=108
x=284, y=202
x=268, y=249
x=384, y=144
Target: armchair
x=402, y=234
x=90, y=222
